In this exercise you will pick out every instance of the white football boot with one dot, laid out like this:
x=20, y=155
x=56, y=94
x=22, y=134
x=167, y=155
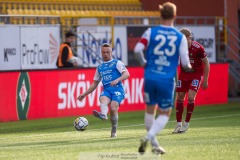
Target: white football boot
x=158, y=150
x=177, y=129
x=113, y=135
x=184, y=128
x=99, y=115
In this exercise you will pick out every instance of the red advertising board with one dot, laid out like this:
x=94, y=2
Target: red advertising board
x=217, y=92
x=53, y=93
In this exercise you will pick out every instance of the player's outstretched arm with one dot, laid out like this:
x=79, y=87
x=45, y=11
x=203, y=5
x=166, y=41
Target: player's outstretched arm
x=92, y=87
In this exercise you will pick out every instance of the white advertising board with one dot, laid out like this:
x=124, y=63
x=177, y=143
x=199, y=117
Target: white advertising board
x=39, y=46
x=205, y=35
x=91, y=39
x=9, y=48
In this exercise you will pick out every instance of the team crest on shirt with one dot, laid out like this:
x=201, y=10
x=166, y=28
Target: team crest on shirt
x=112, y=64
x=117, y=93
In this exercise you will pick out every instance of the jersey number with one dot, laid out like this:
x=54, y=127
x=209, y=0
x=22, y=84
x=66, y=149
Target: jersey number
x=170, y=51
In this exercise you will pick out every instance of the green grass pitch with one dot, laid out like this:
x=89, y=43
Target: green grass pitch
x=214, y=134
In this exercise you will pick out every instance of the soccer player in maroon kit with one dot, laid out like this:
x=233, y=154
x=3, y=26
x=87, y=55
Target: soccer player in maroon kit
x=190, y=81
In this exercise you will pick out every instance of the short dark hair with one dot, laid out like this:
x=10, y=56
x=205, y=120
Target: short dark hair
x=69, y=34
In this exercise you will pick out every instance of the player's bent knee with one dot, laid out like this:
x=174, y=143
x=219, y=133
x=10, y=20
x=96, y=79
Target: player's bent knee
x=191, y=101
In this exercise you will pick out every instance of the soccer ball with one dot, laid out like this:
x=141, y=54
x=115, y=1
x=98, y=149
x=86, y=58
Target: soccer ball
x=81, y=123
x=73, y=60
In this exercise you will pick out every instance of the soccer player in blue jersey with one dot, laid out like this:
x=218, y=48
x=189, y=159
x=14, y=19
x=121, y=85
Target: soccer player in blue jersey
x=111, y=72
x=164, y=45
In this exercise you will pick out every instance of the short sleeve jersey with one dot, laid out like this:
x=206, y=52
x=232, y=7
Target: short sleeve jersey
x=109, y=71
x=162, y=53
x=196, y=53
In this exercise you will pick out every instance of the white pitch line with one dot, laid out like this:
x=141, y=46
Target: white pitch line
x=194, y=119
x=135, y=125
x=230, y=115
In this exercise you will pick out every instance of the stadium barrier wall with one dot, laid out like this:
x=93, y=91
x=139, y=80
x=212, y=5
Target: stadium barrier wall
x=29, y=46
x=37, y=46
x=53, y=93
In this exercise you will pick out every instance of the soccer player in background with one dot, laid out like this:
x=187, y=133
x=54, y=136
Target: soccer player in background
x=189, y=81
x=164, y=44
x=111, y=72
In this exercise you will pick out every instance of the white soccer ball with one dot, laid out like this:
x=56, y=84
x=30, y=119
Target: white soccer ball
x=73, y=60
x=81, y=123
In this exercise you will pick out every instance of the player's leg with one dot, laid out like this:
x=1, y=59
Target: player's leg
x=181, y=89
x=151, y=103
x=104, y=101
x=114, y=105
x=148, y=119
x=164, y=96
x=191, y=104
x=195, y=84
x=179, y=110
x=190, y=107
x=150, y=99
x=149, y=116
x=157, y=126
x=117, y=96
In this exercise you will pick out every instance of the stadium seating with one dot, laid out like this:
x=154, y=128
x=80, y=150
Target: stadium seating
x=71, y=5
x=74, y=8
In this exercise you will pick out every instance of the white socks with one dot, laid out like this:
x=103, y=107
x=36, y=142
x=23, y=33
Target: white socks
x=104, y=109
x=157, y=126
x=179, y=124
x=148, y=119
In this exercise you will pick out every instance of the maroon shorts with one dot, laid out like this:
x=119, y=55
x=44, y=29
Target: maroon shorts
x=185, y=85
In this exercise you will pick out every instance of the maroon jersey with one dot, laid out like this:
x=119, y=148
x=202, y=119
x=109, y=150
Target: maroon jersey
x=196, y=53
